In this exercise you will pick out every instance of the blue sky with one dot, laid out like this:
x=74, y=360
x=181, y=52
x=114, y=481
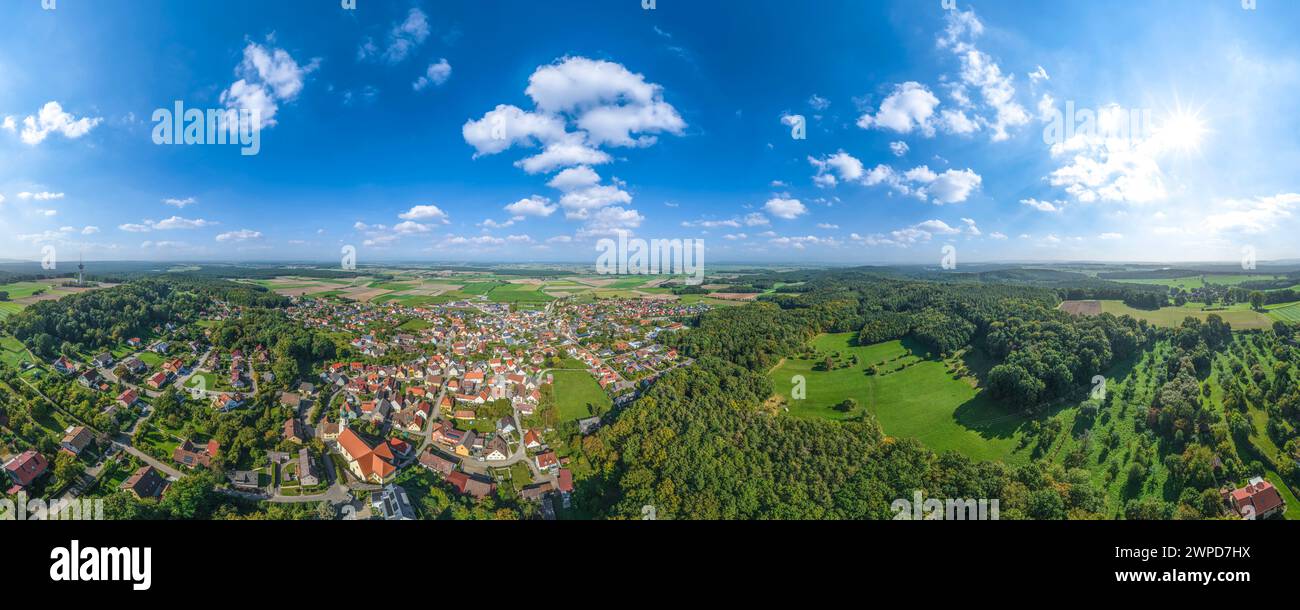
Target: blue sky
x=524, y=131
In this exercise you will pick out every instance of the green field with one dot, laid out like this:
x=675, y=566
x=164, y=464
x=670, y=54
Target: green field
x=1240, y=316
x=12, y=352
x=574, y=390
x=22, y=290
x=519, y=293
x=921, y=400
x=1286, y=313
x=414, y=324
x=8, y=308
x=1192, y=282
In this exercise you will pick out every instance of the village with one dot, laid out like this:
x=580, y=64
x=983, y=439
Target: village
x=482, y=396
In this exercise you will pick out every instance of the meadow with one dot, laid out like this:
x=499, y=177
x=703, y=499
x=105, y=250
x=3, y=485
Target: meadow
x=1240, y=316
x=574, y=390
x=911, y=396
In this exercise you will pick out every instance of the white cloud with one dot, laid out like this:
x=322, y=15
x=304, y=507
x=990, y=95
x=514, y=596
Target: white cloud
x=567, y=152
x=9, y=124
x=1111, y=236
x=134, y=228
x=1251, y=216
x=951, y=186
x=578, y=204
x=180, y=203
x=268, y=77
x=506, y=125
x=436, y=74
x=52, y=119
x=178, y=223
x=536, y=205
x=998, y=235
x=918, y=233
x=910, y=106
x=1043, y=206
x=606, y=221
x=1039, y=74
x=241, y=235
x=785, y=208
x=410, y=227
x=608, y=102
x=404, y=38
x=425, y=212
x=956, y=121
x=980, y=71
x=954, y=186
x=835, y=168
x=89, y=230
x=574, y=178
x=818, y=102
x=899, y=148
x=42, y=196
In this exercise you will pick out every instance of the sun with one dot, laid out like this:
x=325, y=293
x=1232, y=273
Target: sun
x=1181, y=131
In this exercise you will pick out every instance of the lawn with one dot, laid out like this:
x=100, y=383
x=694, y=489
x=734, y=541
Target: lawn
x=1240, y=316
x=914, y=397
x=574, y=390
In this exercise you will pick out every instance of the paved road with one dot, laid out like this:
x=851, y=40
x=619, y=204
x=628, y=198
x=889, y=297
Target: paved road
x=125, y=443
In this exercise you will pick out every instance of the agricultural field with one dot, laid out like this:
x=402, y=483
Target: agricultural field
x=938, y=402
x=12, y=352
x=1240, y=316
x=1286, y=312
x=574, y=390
x=1192, y=282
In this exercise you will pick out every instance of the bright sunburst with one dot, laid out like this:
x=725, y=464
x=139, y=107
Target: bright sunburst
x=1182, y=130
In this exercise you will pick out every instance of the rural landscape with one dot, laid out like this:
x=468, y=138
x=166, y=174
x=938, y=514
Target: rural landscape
x=1123, y=392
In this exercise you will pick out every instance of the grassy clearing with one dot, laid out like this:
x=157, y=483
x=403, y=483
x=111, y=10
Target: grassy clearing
x=574, y=390
x=910, y=396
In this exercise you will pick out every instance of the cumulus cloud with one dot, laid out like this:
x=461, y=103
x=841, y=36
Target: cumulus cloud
x=951, y=186
x=785, y=208
x=835, y=168
x=179, y=223
x=536, y=206
x=981, y=72
x=180, y=203
x=267, y=78
x=403, y=38
x=51, y=119
x=1043, y=206
x=425, y=212
x=507, y=126
x=1251, y=216
x=241, y=235
x=909, y=107
x=899, y=148
x=436, y=74
x=918, y=233
x=41, y=196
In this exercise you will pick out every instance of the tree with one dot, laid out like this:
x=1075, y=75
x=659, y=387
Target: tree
x=67, y=468
x=1258, y=299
